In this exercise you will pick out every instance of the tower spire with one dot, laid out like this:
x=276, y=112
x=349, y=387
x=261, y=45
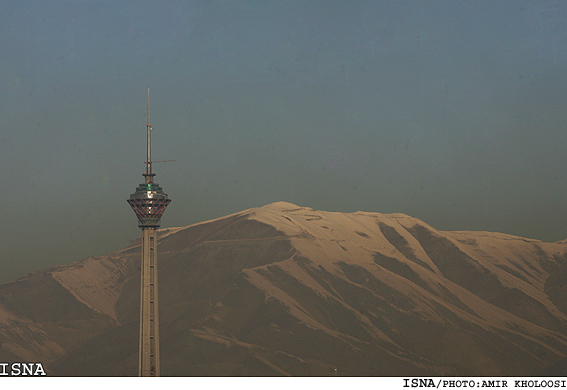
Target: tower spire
x=149, y=174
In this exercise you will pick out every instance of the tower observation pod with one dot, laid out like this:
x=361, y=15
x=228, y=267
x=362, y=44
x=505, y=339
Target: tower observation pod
x=149, y=202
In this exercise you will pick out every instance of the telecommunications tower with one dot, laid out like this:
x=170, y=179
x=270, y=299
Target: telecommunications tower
x=149, y=202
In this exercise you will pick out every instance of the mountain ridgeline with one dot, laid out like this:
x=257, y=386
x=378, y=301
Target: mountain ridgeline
x=287, y=290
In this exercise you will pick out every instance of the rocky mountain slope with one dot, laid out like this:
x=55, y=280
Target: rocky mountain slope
x=288, y=290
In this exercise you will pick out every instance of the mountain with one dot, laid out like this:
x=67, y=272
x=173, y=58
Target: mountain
x=288, y=290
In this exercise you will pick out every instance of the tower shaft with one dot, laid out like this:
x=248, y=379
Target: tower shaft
x=149, y=317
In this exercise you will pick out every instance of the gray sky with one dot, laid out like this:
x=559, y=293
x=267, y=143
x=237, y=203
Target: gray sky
x=449, y=111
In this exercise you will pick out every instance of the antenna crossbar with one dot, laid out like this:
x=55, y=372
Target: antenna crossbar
x=153, y=162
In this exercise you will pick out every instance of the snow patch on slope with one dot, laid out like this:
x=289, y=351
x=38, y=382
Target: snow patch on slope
x=95, y=282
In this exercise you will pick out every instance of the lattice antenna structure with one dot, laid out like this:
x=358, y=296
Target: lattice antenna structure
x=149, y=203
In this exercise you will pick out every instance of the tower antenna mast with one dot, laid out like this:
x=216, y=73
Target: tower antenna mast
x=149, y=174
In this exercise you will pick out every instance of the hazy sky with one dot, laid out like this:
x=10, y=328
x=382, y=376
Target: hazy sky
x=453, y=112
